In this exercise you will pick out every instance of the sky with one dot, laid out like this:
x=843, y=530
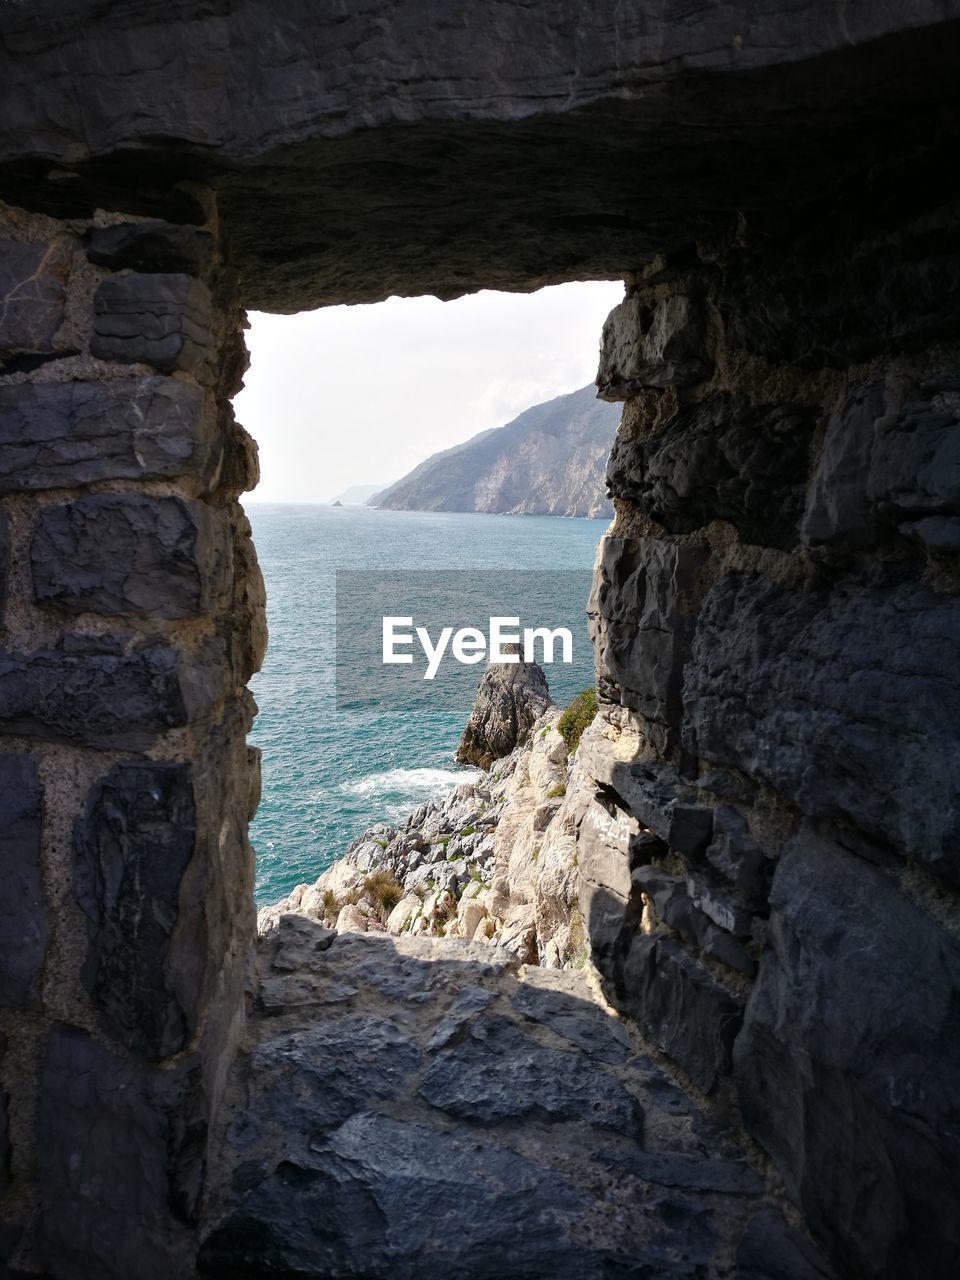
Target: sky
x=360, y=395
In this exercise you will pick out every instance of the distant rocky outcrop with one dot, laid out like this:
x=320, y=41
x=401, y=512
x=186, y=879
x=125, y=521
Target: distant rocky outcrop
x=511, y=698
x=549, y=461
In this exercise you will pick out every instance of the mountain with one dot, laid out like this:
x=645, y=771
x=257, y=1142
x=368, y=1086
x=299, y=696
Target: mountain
x=551, y=460
x=357, y=495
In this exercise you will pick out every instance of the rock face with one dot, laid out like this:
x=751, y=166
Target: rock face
x=773, y=846
x=419, y=1106
x=556, y=124
x=511, y=698
x=774, y=616
x=494, y=862
x=549, y=461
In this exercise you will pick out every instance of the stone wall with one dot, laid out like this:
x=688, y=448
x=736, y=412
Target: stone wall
x=132, y=619
x=770, y=856
x=771, y=876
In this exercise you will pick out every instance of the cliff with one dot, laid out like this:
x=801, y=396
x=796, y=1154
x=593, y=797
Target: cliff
x=548, y=461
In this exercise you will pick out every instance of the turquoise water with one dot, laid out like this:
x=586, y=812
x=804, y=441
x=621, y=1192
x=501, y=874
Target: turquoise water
x=327, y=775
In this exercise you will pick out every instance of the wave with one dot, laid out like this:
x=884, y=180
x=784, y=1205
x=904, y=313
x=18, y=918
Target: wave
x=408, y=782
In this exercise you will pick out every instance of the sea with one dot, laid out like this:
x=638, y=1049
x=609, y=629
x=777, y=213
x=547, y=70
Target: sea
x=334, y=766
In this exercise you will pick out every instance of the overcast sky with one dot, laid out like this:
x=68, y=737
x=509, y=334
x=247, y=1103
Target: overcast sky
x=360, y=395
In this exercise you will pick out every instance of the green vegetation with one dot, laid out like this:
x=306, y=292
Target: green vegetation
x=559, y=790
x=381, y=843
x=577, y=716
x=467, y=831
x=577, y=940
x=331, y=906
x=444, y=841
x=384, y=890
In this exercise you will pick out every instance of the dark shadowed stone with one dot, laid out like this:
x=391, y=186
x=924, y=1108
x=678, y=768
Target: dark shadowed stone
x=115, y=1144
x=105, y=700
x=4, y=561
x=111, y=554
x=720, y=459
x=131, y=850
x=804, y=305
x=652, y=345
x=633, y=130
x=384, y=1197
x=650, y=791
x=736, y=855
x=162, y=319
x=847, y=1064
x=467, y=1080
x=891, y=456
x=639, y=615
x=32, y=296
x=607, y=904
x=566, y=1013
x=299, y=941
x=770, y=1249
x=152, y=246
x=314, y=1079
x=55, y=435
x=24, y=927
x=683, y=1010
x=4, y=1138
x=675, y=906
x=691, y=1172
x=854, y=699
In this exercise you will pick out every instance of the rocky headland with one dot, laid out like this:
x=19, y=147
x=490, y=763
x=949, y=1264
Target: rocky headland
x=549, y=461
x=494, y=861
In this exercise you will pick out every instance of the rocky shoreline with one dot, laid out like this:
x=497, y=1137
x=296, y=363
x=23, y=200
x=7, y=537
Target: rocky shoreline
x=493, y=862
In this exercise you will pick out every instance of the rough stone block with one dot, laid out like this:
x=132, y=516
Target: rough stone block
x=152, y=246
x=847, y=1064
x=853, y=707
x=4, y=561
x=891, y=457
x=32, y=296
x=769, y=1248
x=159, y=319
x=467, y=1080
x=720, y=459
x=649, y=791
x=55, y=435
x=675, y=907
x=4, y=1133
x=24, y=925
x=652, y=345
x=119, y=1146
x=604, y=887
x=683, y=1010
x=132, y=849
x=112, y=554
x=736, y=855
x=108, y=700
x=639, y=615
x=898, y=292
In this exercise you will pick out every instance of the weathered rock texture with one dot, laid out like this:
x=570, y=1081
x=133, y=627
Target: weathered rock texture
x=774, y=613
x=421, y=1107
x=773, y=847
x=131, y=621
x=511, y=698
x=548, y=461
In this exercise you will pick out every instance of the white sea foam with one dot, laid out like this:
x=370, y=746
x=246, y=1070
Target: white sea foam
x=408, y=782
